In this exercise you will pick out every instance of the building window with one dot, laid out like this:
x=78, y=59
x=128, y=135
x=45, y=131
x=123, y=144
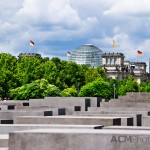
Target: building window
x=106, y=60
x=115, y=61
x=112, y=61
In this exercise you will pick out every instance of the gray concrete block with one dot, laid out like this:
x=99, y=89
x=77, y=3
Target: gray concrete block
x=61, y=111
x=130, y=100
x=65, y=102
x=113, y=111
x=118, y=109
x=3, y=107
x=11, y=114
x=6, y=129
x=125, y=128
x=18, y=104
x=82, y=120
x=135, y=96
x=40, y=111
x=3, y=148
x=4, y=140
x=146, y=121
x=126, y=119
x=137, y=118
x=124, y=104
x=80, y=140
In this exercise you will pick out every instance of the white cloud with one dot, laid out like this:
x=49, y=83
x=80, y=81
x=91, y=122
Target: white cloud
x=8, y=9
x=130, y=7
x=47, y=20
x=53, y=19
x=50, y=12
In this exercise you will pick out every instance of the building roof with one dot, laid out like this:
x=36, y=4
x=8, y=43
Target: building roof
x=28, y=54
x=87, y=54
x=113, y=54
x=87, y=48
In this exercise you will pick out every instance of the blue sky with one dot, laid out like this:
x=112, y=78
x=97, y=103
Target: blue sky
x=58, y=26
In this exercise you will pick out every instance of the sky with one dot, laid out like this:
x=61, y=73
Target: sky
x=58, y=26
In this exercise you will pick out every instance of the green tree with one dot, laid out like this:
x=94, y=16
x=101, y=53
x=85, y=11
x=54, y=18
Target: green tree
x=60, y=72
x=91, y=75
x=101, y=71
x=57, y=62
x=82, y=70
x=71, y=74
x=7, y=77
x=145, y=87
x=50, y=72
x=70, y=92
x=36, y=89
x=28, y=69
x=130, y=85
x=142, y=86
x=97, y=88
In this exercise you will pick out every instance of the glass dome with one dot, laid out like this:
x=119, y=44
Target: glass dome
x=87, y=54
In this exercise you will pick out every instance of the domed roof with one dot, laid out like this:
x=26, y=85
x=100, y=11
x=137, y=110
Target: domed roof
x=87, y=54
x=87, y=47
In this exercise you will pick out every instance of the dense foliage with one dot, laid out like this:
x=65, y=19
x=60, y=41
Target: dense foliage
x=37, y=89
x=36, y=77
x=97, y=88
x=70, y=92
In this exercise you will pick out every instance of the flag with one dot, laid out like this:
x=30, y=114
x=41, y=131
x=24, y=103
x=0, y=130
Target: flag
x=114, y=44
x=32, y=43
x=68, y=54
x=139, y=53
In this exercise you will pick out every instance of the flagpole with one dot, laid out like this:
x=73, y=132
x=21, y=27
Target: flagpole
x=67, y=57
x=29, y=48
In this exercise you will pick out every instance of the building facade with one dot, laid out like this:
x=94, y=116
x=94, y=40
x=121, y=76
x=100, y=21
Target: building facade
x=138, y=69
x=117, y=68
x=113, y=63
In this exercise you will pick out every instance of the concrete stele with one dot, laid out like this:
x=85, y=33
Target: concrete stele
x=80, y=140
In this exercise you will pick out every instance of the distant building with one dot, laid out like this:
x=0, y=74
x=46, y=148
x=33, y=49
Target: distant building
x=138, y=69
x=117, y=68
x=29, y=54
x=87, y=54
x=113, y=63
